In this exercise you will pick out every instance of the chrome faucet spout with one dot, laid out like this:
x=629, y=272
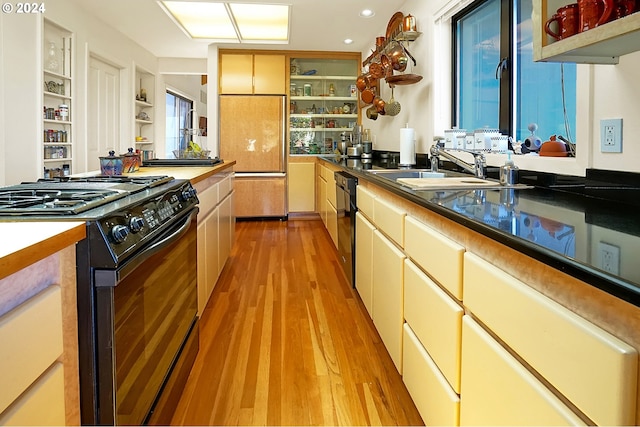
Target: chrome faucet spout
x=477, y=168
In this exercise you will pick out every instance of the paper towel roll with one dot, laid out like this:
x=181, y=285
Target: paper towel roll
x=407, y=147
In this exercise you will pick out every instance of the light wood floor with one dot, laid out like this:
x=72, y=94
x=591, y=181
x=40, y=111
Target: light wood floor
x=286, y=341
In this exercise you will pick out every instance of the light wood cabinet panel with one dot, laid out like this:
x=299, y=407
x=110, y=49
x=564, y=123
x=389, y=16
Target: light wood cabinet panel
x=301, y=187
x=226, y=224
x=31, y=337
x=260, y=197
x=441, y=257
x=389, y=219
x=248, y=74
x=364, y=261
x=203, y=297
x=269, y=74
x=364, y=201
x=436, y=401
x=42, y=404
x=388, y=270
x=585, y=363
x=497, y=390
x=236, y=74
x=436, y=319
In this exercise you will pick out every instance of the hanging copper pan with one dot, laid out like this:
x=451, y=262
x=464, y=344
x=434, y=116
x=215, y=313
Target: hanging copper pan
x=363, y=81
x=376, y=70
x=368, y=95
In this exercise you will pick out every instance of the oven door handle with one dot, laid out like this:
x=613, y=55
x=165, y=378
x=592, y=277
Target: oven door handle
x=111, y=278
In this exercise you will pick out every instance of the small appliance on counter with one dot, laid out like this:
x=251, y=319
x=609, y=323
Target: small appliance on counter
x=182, y=162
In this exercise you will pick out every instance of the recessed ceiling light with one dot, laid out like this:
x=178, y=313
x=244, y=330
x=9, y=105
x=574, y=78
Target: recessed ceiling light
x=367, y=13
x=348, y=41
x=230, y=22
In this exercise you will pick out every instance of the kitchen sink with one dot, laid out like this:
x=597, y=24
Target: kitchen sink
x=425, y=179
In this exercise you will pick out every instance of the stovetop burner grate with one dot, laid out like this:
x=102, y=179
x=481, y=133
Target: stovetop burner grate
x=71, y=201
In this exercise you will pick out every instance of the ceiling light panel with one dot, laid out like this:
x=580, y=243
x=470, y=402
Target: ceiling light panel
x=230, y=22
x=201, y=20
x=261, y=22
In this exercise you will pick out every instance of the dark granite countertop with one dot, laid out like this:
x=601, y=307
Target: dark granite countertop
x=566, y=223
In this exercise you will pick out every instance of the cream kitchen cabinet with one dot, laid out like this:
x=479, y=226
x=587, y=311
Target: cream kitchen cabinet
x=215, y=231
x=583, y=362
x=364, y=261
x=600, y=45
x=436, y=254
x=436, y=320
x=388, y=276
x=32, y=342
x=498, y=390
x=301, y=187
x=326, y=202
x=437, y=402
x=248, y=73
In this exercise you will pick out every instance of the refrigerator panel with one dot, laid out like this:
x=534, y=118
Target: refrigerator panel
x=260, y=196
x=252, y=132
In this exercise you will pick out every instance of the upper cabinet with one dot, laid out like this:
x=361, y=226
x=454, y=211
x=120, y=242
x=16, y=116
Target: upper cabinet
x=145, y=84
x=247, y=73
x=603, y=44
x=57, y=101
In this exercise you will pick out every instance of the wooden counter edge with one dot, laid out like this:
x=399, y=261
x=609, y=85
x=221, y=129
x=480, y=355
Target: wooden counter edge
x=216, y=169
x=29, y=255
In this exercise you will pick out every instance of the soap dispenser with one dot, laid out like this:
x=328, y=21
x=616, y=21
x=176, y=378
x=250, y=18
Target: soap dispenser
x=508, y=172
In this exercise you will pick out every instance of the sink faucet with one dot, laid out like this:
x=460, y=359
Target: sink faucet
x=477, y=168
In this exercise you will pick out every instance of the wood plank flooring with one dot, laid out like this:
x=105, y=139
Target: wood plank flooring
x=286, y=341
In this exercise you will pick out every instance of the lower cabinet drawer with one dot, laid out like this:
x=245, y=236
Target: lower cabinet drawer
x=364, y=201
x=436, y=320
x=436, y=401
x=389, y=219
x=582, y=361
x=498, y=390
x=435, y=253
x=42, y=404
x=31, y=341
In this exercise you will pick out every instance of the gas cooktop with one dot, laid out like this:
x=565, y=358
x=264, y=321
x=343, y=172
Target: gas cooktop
x=68, y=197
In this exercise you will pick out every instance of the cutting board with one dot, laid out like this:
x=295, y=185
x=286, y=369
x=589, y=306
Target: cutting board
x=455, y=183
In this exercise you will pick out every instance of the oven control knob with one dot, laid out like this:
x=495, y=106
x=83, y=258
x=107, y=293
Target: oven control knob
x=119, y=233
x=188, y=193
x=136, y=223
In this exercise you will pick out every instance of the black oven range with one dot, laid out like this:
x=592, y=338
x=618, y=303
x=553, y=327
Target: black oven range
x=136, y=287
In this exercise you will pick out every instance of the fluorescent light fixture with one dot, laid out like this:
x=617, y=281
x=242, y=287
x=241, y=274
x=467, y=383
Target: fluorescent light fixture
x=230, y=22
x=367, y=13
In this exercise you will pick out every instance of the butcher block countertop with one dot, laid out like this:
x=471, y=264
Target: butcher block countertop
x=192, y=173
x=25, y=243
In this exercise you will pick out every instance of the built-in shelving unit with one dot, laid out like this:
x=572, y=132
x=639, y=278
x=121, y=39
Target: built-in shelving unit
x=144, y=109
x=600, y=45
x=323, y=102
x=57, y=101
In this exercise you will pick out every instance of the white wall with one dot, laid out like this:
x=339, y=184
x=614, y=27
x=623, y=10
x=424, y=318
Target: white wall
x=604, y=91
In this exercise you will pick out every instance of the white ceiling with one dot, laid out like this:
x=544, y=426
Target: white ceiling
x=315, y=25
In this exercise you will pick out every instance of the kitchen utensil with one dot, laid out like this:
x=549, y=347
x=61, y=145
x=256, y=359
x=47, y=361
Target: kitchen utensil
x=379, y=104
x=395, y=25
x=566, y=20
x=593, y=13
x=368, y=95
x=403, y=79
x=354, y=151
x=362, y=82
x=372, y=113
x=409, y=23
x=111, y=165
x=376, y=70
x=397, y=56
x=380, y=42
x=392, y=108
x=553, y=148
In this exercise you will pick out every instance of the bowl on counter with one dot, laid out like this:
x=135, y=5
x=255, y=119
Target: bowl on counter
x=190, y=154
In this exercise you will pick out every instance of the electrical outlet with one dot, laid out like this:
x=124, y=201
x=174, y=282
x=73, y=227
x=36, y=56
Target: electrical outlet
x=609, y=257
x=611, y=135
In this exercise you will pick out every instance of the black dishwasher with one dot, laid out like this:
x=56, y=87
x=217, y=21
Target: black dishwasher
x=346, y=207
